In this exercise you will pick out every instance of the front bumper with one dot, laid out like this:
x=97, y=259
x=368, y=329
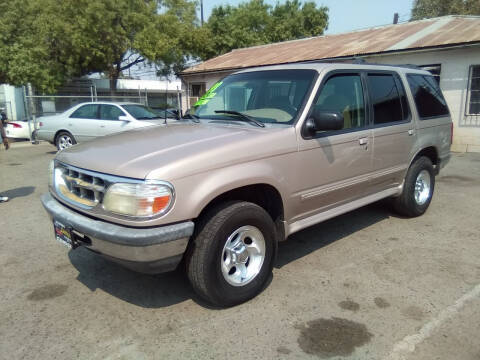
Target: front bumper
x=150, y=250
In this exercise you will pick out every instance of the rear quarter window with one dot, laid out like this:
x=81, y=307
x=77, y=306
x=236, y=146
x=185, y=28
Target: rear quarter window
x=428, y=97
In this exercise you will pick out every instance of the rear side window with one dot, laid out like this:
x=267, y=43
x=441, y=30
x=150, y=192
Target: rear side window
x=86, y=112
x=428, y=96
x=387, y=98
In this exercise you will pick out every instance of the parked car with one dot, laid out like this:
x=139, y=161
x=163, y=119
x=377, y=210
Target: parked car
x=18, y=129
x=87, y=121
x=268, y=152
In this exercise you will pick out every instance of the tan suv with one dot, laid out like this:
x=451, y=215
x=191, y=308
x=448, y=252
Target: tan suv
x=265, y=153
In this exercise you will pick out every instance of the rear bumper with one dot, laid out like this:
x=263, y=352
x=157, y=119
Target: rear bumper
x=44, y=135
x=442, y=162
x=150, y=250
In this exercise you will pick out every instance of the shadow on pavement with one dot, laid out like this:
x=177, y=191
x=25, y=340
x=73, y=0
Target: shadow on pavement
x=316, y=237
x=18, y=192
x=156, y=291
x=148, y=291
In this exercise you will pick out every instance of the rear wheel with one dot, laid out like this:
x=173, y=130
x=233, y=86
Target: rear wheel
x=64, y=140
x=231, y=256
x=417, y=189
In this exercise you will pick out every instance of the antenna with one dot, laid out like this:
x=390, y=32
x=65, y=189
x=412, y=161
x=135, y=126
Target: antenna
x=166, y=100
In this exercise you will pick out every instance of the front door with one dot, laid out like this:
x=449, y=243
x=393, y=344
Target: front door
x=109, y=122
x=336, y=165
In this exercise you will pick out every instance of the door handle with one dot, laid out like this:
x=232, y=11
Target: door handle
x=411, y=132
x=363, y=141
x=102, y=126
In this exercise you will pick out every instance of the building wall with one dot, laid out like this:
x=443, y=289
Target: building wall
x=454, y=79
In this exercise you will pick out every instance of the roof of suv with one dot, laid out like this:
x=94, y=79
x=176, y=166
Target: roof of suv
x=321, y=66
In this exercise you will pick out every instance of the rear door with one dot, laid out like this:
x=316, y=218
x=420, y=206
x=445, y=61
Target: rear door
x=393, y=129
x=83, y=122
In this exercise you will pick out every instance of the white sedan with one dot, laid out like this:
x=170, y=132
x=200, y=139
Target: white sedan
x=18, y=129
x=87, y=121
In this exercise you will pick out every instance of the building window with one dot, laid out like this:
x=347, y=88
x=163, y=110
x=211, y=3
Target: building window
x=473, y=99
x=198, y=90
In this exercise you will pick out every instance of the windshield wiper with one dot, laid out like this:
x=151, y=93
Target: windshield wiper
x=192, y=117
x=243, y=116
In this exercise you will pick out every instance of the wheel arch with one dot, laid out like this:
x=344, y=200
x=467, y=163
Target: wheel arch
x=430, y=152
x=262, y=194
x=59, y=132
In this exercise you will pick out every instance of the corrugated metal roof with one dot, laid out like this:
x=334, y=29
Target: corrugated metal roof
x=436, y=32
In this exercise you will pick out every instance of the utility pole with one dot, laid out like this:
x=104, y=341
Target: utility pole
x=27, y=112
x=33, y=112
x=201, y=12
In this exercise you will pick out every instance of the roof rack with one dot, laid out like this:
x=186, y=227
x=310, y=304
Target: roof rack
x=361, y=61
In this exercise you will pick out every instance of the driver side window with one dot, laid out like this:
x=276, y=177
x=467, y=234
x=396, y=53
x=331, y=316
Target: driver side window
x=110, y=112
x=343, y=93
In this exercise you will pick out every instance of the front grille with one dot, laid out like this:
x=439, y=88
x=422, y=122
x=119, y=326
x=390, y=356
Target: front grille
x=79, y=186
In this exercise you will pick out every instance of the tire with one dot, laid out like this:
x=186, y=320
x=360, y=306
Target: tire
x=64, y=140
x=415, y=197
x=214, y=269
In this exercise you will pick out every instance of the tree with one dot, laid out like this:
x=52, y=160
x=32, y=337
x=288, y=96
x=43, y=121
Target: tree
x=46, y=42
x=433, y=8
x=255, y=23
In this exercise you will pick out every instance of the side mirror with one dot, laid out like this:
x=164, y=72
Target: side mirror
x=324, y=121
x=124, y=118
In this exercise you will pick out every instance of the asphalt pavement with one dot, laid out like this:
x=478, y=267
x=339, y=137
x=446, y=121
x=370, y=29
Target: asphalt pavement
x=366, y=285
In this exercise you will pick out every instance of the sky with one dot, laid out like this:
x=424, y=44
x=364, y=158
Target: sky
x=345, y=15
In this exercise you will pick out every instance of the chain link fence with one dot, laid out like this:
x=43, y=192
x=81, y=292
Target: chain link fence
x=50, y=105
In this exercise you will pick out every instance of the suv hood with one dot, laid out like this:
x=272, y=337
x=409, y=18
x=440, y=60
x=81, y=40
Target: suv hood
x=178, y=150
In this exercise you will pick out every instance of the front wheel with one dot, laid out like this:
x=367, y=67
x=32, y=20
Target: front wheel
x=417, y=189
x=231, y=256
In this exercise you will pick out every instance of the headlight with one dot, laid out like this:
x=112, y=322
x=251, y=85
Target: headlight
x=51, y=168
x=140, y=200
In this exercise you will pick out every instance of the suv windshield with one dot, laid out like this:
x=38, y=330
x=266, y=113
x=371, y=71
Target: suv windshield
x=273, y=96
x=141, y=112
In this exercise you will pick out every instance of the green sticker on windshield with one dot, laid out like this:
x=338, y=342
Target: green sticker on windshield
x=208, y=95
